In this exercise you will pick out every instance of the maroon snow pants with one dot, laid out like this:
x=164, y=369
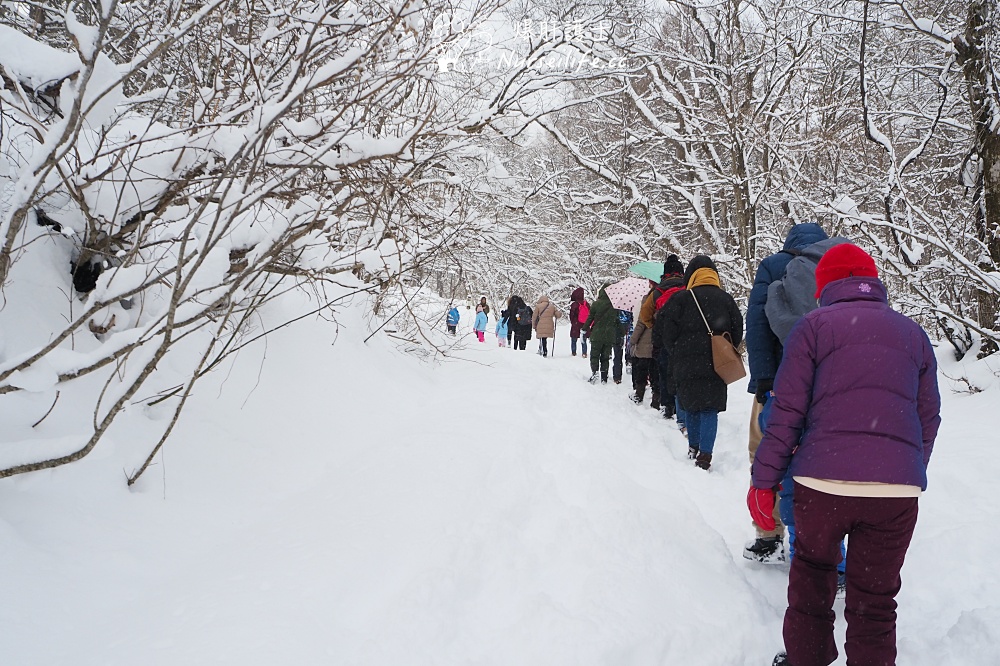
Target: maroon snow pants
x=878, y=533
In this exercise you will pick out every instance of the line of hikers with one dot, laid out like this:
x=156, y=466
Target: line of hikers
x=517, y=322
x=668, y=346
x=845, y=413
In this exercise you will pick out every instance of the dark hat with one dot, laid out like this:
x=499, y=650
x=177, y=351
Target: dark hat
x=843, y=261
x=673, y=266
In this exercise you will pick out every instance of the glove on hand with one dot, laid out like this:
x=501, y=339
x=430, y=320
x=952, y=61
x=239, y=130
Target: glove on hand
x=761, y=505
x=764, y=388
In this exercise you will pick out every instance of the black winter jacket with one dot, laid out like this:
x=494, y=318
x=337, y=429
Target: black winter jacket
x=690, y=349
x=659, y=321
x=523, y=329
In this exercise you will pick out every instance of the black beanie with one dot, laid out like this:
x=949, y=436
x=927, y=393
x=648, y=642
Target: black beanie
x=673, y=266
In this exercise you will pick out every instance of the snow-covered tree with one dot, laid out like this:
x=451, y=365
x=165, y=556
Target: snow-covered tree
x=195, y=161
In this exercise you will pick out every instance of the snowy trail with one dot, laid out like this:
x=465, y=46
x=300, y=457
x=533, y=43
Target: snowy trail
x=346, y=505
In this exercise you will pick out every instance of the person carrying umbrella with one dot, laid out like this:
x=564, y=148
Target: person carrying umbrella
x=646, y=367
x=625, y=296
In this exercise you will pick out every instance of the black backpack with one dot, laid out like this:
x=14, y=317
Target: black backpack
x=524, y=320
x=524, y=316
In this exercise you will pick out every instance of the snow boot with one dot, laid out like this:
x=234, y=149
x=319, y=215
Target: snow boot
x=604, y=378
x=618, y=381
x=766, y=550
x=704, y=461
x=692, y=453
x=584, y=354
x=654, y=402
x=781, y=659
x=593, y=378
x=636, y=397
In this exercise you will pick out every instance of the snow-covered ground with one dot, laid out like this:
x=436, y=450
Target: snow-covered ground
x=348, y=504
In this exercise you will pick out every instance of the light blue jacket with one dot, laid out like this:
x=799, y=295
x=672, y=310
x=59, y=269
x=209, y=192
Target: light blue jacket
x=453, y=317
x=501, y=329
x=481, y=322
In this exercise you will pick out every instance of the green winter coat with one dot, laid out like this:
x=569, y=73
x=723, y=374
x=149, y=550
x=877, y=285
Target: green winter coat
x=603, y=322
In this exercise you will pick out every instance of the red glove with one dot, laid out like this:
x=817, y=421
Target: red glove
x=761, y=505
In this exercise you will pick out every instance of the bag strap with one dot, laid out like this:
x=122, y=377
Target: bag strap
x=539, y=315
x=691, y=291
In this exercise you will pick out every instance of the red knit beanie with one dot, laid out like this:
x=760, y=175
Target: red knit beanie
x=841, y=261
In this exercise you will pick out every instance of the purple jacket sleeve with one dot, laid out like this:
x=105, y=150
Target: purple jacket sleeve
x=929, y=400
x=793, y=390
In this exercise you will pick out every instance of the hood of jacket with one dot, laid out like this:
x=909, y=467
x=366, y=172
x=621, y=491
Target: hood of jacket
x=577, y=295
x=803, y=235
x=856, y=288
x=700, y=261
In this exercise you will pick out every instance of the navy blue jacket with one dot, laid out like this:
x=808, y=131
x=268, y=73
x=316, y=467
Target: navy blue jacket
x=763, y=347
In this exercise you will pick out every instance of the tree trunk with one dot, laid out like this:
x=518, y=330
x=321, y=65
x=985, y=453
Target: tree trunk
x=984, y=99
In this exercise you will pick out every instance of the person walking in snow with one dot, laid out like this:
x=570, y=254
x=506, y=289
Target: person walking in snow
x=603, y=327
x=641, y=344
x=452, y=320
x=501, y=330
x=482, y=321
x=544, y=322
x=763, y=356
x=519, y=319
x=855, y=413
x=579, y=310
x=624, y=328
x=507, y=318
x=701, y=391
x=671, y=282
x=647, y=316
x=645, y=365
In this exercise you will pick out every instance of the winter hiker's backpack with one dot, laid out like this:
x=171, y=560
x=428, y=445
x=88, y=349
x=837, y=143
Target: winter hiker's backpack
x=583, y=314
x=792, y=296
x=665, y=296
x=524, y=316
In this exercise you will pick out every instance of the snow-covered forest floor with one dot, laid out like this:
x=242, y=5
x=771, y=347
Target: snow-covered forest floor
x=346, y=503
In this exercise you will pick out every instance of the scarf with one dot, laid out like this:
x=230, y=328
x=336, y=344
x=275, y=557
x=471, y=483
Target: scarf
x=704, y=276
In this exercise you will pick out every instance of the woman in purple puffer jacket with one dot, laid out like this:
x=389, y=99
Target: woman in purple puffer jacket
x=856, y=410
